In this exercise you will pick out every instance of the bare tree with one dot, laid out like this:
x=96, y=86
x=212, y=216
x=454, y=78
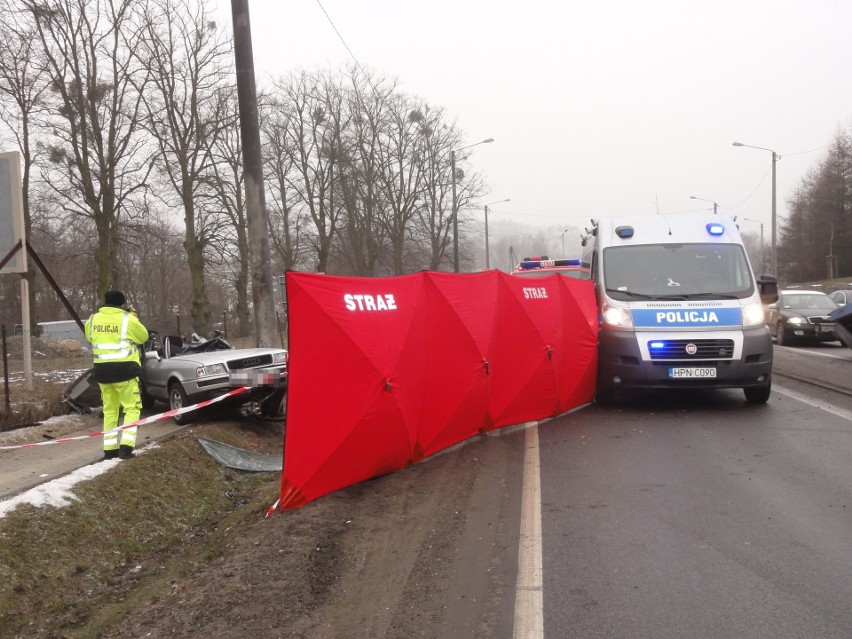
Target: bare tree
x=362, y=241
x=402, y=175
x=98, y=157
x=287, y=221
x=227, y=198
x=308, y=102
x=814, y=241
x=23, y=83
x=187, y=58
x=436, y=211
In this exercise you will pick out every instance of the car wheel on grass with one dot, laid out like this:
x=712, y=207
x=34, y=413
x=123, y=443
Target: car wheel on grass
x=178, y=399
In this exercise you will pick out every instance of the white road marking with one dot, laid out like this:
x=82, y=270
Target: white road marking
x=827, y=407
x=529, y=613
x=790, y=349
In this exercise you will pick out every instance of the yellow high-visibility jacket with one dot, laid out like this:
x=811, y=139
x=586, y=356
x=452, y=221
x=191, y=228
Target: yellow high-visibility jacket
x=115, y=335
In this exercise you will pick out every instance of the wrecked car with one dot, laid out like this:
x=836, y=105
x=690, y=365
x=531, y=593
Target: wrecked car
x=180, y=373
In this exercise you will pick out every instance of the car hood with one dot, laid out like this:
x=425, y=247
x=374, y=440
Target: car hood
x=807, y=312
x=221, y=356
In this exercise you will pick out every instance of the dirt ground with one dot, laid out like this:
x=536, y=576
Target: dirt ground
x=416, y=553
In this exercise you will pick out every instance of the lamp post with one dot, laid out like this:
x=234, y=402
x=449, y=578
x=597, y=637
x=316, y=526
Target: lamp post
x=715, y=205
x=563, y=241
x=455, y=201
x=487, y=258
x=762, y=249
x=773, y=251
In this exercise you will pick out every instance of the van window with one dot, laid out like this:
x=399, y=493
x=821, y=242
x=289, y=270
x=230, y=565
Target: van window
x=665, y=271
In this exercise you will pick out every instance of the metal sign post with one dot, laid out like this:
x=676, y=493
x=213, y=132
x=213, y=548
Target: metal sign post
x=12, y=240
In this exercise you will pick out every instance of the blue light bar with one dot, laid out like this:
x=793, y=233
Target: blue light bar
x=624, y=232
x=715, y=229
x=656, y=345
x=546, y=263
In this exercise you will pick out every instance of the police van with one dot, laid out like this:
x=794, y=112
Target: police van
x=678, y=306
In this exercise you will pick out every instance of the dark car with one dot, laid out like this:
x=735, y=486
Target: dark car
x=841, y=298
x=801, y=315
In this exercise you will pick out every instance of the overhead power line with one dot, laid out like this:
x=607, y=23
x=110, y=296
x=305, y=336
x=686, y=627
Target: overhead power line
x=333, y=26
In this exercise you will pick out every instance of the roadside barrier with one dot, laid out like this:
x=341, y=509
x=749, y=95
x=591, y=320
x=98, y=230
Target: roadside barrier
x=148, y=420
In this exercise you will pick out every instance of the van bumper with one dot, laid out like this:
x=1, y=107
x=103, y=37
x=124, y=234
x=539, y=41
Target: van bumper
x=621, y=364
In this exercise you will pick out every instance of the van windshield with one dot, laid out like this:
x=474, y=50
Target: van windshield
x=676, y=271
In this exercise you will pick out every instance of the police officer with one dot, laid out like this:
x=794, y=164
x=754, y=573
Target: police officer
x=115, y=334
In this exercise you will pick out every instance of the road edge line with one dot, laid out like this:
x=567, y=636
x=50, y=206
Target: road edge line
x=529, y=613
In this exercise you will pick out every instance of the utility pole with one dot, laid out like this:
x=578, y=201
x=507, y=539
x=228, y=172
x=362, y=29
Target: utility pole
x=259, y=253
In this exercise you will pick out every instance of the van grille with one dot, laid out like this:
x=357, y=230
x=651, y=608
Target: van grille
x=250, y=362
x=704, y=349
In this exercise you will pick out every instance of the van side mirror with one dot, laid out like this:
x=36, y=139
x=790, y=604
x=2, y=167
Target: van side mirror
x=768, y=285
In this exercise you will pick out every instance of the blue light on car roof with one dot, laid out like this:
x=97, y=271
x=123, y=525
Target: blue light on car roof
x=715, y=229
x=624, y=232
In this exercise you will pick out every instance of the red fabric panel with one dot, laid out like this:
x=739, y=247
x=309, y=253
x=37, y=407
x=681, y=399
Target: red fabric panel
x=457, y=387
x=420, y=362
x=350, y=379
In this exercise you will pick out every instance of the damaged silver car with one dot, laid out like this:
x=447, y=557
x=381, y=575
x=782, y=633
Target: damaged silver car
x=180, y=373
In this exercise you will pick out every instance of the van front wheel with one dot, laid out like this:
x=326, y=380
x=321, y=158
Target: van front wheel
x=759, y=394
x=604, y=395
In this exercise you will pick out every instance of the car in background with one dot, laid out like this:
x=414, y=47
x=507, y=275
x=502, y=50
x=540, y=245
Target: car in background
x=180, y=373
x=542, y=265
x=801, y=315
x=842, y=297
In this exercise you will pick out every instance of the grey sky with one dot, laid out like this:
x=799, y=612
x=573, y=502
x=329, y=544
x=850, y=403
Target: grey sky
x=600, y=107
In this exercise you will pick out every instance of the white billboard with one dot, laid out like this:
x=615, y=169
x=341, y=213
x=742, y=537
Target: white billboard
x=11, y=213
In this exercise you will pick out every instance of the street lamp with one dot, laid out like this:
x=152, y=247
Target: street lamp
x=762, y=250
x=563, y=241
x=774, y=253
x=715, y=206
x=455, y=202
x=487, y=258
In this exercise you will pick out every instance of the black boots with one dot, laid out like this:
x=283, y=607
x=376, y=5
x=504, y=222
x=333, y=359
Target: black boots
x=125, y=452
x=110, y=454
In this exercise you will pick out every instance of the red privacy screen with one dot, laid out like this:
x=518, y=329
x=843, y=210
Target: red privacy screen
x=385, y=371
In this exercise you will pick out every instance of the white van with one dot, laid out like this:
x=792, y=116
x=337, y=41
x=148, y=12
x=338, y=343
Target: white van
x=61, y=330
x=678, y=306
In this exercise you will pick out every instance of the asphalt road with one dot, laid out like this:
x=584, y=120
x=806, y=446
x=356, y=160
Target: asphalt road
x=698, y=515
x=25, y=468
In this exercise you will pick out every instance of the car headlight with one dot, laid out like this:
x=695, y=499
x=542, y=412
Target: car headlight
x=797, y=320
x=279, y=358
x=617, y=315
x=753, y=314
x=210, y=369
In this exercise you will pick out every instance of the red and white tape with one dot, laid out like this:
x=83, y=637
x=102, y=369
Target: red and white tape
x=148, y=420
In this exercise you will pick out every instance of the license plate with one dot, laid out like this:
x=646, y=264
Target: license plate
x=825, y=328
x=691, y=373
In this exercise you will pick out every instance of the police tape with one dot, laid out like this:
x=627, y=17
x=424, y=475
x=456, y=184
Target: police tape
x=148, y=420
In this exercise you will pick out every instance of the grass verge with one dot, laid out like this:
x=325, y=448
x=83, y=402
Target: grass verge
x=131, y=532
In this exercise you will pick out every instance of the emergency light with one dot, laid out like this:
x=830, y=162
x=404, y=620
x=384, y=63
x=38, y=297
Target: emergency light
x=624, y=232
x=715, y=229
x=545, y=263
